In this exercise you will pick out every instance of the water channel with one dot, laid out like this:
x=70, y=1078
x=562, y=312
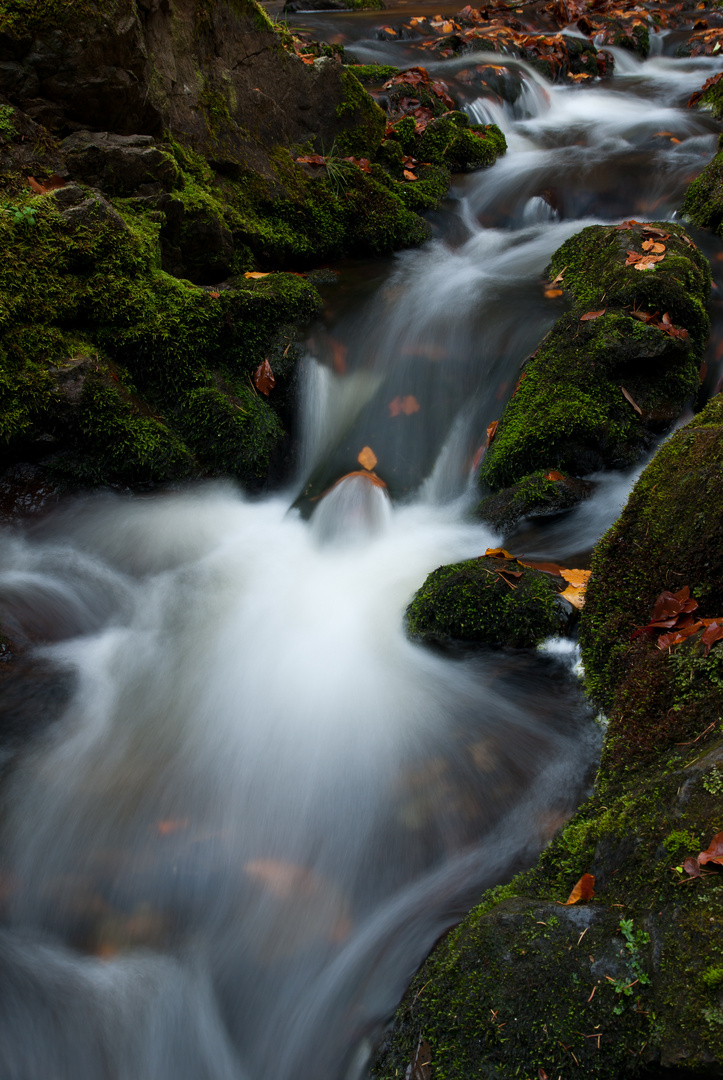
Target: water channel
x=251, y=805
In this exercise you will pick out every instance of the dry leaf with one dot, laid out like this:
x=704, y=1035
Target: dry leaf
x=215, y=295
x=691, y=866
x=419, y=1066
x=312, y=159
x=497, y=553
x=367, y=458
x=551, y=294
x=590, y=315
x=714, y=851
x=255, y=274
x=584, y=890
x=409, y=175
x=491, y=432
x=634, y=404
x=264, y=378
x=554, y=475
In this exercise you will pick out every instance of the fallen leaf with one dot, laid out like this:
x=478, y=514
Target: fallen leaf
x=691, y=866
x=370, y=476
x=551, y=294
x=633, y=257
x=311, y=159
x=418, y=1068
x=554, y=475
x=409, y=175
x=215, y=295
x=497, y=553
x=410, y=405
x=629, y=398
x=714, y=851
x=584, y=890
x=255, y=274
x=264, y=379
x=367, y=458
x=577, y=578
x=590, y=315
x=491, y=432
x=653, y=245
x=712, y=633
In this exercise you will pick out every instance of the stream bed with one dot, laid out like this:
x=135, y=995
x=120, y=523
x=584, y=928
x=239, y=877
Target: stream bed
x=251, y=805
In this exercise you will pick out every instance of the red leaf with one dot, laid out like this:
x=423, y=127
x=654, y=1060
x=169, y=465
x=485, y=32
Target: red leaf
x=712, y=633
x=590, y=315
x=311, y=159
x=264, y=378
x=37, y=188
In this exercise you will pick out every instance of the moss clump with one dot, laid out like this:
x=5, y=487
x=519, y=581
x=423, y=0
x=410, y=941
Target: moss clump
x=569, y=412
x=373, y=73
x=19, y=18
x=472, y=602
x=8, y=127
x=365, y=119
x=670, y=534
x=450, y=142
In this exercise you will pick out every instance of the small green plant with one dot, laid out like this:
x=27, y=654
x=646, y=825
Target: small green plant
x=634, y=941
x=712, y=978
x=713, y=781
x=21, y=215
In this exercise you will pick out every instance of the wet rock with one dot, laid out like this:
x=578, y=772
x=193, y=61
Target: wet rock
x=616, y=369
x=540, y=495
x=119, y=164
x=488, y=601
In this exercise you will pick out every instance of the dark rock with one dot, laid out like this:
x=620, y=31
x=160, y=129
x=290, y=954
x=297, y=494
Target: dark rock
x=70, y=195
x=119, y=164
x=94, y=213
x=540, y=495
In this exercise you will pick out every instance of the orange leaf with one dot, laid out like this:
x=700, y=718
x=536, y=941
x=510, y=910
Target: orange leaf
x=584, y=890
x=264, y=378
x=370, y=476
x=395, y=406
x=491, y=432
x=546, y=567
x=498, y=553
x=311, y=159
x=215, y=295
x=255, y=274
x=37, y=188
x=410, y=405
x=654, y=246
x=590, y=315
x=554, y=475
x=409, y=175
x=367, y=458
x=634, y=404
x=552, y=293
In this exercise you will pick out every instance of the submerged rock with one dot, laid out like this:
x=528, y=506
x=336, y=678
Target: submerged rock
x=490, y=601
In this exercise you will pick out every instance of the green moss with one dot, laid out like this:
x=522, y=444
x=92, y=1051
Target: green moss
x=366, y=119
x=18, y=18
x=703, y=205
x=8, y=128
x=533, y=495
x=373, y=73
x=470, y=601
x=672, y=524
x=569, y=412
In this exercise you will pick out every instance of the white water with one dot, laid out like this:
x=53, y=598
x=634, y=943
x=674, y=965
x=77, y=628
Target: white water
x=241, y=829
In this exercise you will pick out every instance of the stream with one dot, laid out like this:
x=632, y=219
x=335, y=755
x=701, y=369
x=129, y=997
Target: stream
x=250, y=805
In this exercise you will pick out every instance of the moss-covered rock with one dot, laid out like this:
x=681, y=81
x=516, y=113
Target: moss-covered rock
x=487, y=600
x=625, y=984
x=703, y=205
x=572, y=410
x=669, y=535
x=537, y=495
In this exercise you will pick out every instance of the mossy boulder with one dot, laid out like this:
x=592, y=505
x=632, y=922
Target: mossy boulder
x=669, y=535
x=490, y=601
x=539, y=495
x=572, y=410
x=625, y=984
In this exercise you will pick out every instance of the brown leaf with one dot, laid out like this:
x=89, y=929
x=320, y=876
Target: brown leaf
x=367, y=458
x=633, y=257
x=311, y=159
x=590, y=315
x=419, y=1066
x=361, y=163
x=654, y=246
x=678, y=636
x=714, y=851
x=691, y=866
x=491, y=432
x=648, y=262
x=551, y=294
x=546, y=567
x=712, y=633
x=497, y=553
x=409, y=175
x=370, y=476
x=264, y=378
x=256, y=274
x=629, y=398
x=215, y=295
x=584, y=890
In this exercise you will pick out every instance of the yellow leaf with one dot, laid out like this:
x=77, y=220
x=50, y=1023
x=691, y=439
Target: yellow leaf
x=367, y=458
x=577, y=578
x=498, y=553
x=254, y=274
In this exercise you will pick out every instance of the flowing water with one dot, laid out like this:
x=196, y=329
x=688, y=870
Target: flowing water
x=250, y=805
